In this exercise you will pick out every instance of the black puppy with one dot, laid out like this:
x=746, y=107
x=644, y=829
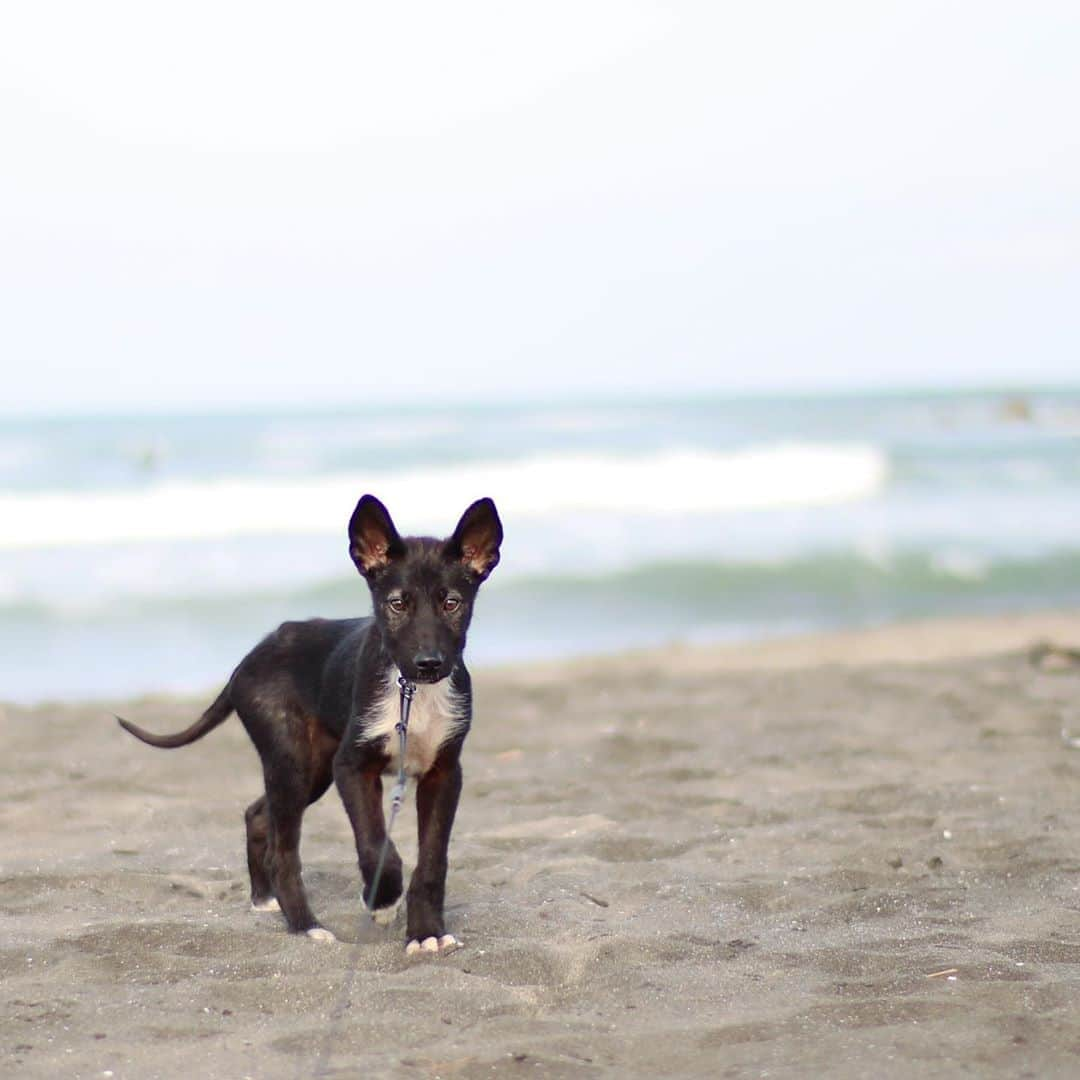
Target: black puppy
x=320, y=701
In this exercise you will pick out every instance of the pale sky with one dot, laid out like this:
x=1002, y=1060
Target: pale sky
x=232, y=204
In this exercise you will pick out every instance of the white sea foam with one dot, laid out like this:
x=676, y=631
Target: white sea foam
x=672, y=482
x=961, y=565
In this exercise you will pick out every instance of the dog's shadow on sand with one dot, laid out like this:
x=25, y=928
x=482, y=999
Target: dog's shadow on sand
x=345, y=914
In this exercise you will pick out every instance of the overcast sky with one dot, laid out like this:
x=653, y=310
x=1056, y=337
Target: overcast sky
x=227, y=204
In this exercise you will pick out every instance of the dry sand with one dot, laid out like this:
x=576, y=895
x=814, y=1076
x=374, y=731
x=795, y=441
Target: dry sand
x=846, y=856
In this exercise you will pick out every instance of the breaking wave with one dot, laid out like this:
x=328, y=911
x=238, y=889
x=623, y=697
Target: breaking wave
x=430, y=499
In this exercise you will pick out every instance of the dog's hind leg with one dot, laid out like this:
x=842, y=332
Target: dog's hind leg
x=297, y=755
x=257, y=822
x=289, y=791
x=285, y=804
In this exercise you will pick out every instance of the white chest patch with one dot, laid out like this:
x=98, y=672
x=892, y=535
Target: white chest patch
x=436, y=713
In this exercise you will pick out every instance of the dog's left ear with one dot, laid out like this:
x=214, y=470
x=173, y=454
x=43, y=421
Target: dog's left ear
x=476, y=539
x=373, y=540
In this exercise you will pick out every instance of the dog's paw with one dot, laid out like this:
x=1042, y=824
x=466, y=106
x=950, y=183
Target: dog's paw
x=268, y=903
x=446, y=943
x=320, y=933
x=384, y=916
x=389, y=887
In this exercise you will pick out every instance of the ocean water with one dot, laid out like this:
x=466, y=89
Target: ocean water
x=147, y=554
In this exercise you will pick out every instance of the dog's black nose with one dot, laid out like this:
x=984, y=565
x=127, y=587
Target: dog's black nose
x=428, y=663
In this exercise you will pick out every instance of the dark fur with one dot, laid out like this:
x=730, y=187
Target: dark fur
x=304, y=691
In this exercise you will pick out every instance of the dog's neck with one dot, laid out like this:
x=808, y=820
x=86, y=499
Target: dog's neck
x=437, y=713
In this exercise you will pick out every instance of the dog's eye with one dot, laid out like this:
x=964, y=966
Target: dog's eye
x=451, y=603
x=396, y=604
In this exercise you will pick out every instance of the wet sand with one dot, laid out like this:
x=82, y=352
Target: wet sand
x=848, y=855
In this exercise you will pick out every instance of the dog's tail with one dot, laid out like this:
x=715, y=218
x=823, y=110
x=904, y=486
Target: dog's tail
x=216, y=714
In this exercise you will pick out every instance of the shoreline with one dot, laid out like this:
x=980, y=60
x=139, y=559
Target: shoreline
x=829, y=855
x=913, y=641
x=920, y=640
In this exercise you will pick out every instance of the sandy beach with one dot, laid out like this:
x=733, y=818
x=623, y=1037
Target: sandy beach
x=844, y=855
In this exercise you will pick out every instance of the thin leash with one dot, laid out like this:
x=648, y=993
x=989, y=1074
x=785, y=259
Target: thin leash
x=397, y=797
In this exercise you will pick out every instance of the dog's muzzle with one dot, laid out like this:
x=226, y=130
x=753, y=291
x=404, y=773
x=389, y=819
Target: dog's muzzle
x=429, y=667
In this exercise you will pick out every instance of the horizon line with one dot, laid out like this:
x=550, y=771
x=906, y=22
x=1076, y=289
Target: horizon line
x=1003, y=388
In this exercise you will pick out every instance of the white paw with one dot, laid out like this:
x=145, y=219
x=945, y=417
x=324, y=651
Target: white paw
x=320, y=933
x=447, y=943
x=384, y=916
x=269, y=904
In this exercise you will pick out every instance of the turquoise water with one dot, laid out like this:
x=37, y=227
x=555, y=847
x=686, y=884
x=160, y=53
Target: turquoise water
x=148, y=553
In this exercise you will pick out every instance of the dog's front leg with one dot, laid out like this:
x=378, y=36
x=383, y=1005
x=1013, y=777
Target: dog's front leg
x=361, y=790
x=436, y=803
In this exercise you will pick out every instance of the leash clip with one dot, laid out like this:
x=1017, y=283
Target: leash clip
x=407, y=689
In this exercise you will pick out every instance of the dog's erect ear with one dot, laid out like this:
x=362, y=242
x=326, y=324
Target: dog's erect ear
x=373, y=540
x=477, y=538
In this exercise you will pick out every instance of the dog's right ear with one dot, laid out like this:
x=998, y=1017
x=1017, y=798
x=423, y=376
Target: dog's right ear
x=373, y=540
x=476, y=540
